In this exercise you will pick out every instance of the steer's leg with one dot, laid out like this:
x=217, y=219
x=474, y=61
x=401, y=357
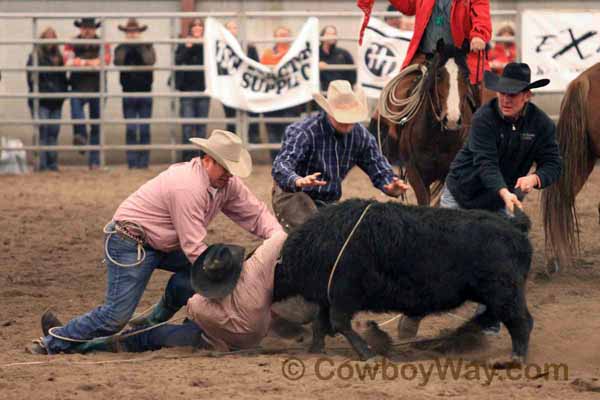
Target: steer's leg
x=321, y=327
x=342, y=322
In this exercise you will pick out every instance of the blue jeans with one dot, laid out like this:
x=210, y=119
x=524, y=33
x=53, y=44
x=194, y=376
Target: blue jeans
x=177, y=293
x=137, y=107
x=80, y=130
x=125, y=286
x=48, y=134
x=193, y=107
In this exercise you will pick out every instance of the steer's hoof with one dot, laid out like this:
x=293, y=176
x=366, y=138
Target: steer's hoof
x=514, y=363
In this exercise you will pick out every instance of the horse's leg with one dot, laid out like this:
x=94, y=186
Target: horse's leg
x=415, y=180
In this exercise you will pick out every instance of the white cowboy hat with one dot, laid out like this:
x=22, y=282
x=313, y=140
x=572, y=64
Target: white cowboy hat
x=227, y=149
x=343, y=104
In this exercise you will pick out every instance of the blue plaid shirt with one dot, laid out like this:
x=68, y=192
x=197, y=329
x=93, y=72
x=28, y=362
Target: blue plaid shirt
x=312, y=145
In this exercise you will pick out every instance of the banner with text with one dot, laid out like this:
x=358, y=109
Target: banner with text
x=381, y=55
x=240, y=82
x=559, y=45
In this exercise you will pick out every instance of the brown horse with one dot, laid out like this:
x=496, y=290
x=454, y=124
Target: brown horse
x=578, y=136
x=426, y=142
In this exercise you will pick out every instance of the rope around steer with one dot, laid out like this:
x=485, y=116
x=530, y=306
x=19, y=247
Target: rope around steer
x=337, y=260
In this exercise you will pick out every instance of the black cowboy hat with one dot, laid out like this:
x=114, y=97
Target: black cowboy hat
x=132, y=25
x=515, y=78
x=216, y=272
x=87, y=23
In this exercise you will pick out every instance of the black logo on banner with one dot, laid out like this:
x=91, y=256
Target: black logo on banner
x=380, y=60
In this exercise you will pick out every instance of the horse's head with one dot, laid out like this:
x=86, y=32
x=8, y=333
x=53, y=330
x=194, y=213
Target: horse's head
x=442, y=88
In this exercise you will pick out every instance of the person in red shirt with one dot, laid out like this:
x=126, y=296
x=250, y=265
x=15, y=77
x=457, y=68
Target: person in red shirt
x=463, y=24
x=503, y=52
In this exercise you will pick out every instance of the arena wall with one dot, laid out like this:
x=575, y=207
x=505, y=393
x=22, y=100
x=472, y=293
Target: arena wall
x=258, y=29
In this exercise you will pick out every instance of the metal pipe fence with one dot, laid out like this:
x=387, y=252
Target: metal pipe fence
x=242, y=120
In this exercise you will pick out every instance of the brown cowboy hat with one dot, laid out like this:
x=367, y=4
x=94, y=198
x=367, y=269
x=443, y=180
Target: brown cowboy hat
x=132, y=25
x=227, y=149
x=216, y=272
x=343, y=104
x=87, y=23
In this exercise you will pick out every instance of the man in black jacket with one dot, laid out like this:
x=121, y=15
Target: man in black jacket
x=330, y=54
x=492, y=170
x=191, y=53
x=136, y=54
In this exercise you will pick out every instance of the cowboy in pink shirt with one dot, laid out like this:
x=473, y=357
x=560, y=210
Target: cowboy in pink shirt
x=229, y=304
x=163, y=224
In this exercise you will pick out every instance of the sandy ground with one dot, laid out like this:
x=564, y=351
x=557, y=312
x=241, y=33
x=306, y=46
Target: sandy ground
x=50, y=255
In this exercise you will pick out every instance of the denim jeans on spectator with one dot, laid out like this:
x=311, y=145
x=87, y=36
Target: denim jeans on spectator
x=77, y=112
x=275, y=130
x=137, y=107
x=48, y=136
x=193, y=107
x=125, y=286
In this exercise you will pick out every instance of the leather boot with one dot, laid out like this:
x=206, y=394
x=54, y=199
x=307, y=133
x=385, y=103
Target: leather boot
x=157, y=314
x=49, y=321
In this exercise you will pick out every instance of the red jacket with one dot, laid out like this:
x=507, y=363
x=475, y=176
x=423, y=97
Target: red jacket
x=468, y=19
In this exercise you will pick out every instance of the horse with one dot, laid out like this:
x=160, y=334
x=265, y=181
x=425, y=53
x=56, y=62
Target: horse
x=426, y=140
x=578, y=136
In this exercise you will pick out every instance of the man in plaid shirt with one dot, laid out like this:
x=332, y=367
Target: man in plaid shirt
x=318, y=152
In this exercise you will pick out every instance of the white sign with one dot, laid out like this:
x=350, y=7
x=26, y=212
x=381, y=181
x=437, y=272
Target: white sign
x=381, y=55
x=559, y=45
x=240, y=82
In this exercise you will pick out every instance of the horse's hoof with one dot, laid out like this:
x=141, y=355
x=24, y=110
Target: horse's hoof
x=516, y=362
x=316, y=349
x=366, y=355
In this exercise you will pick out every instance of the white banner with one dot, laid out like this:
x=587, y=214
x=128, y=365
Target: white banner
x=381, y=55
x=559, y=45
x=240, y=82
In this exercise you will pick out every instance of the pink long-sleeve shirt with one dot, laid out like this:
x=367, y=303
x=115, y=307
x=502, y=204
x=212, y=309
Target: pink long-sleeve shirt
x=175, y=208
x=242, y=318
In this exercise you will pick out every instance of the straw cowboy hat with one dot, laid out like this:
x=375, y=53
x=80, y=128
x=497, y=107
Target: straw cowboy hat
x=515, y=78
x=216, y=272
x=132, y=25
x=343, y=104
x=87, y=23
x=227, y=149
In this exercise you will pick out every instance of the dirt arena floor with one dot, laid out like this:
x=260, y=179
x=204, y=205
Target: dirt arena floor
x=50, y=255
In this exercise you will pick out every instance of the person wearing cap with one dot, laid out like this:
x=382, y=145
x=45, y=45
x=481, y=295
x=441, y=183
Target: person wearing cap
x=228, y=303
x=503, y=52
x=136, y=54
x=319, y=151
x=163, y=225
x=86, y=56
x=492, y=171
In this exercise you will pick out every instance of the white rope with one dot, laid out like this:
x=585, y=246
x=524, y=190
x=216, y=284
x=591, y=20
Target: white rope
x=337, y=260
x=400, y=110
x=141, y=256
x=119, y=335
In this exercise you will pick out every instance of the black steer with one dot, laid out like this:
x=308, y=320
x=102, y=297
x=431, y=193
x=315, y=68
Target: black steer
x=414, y=260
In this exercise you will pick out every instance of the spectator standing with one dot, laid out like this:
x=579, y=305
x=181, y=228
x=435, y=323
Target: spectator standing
x=48, y=55
x=233, y=27
x=192, y=53
x=271, y=57
x=136, y=54
x=330, y=54
x=503, y=52
x=86, y=56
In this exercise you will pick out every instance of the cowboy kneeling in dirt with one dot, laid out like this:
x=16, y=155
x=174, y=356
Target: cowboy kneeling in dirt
x=228, y=303
x=163, y=225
